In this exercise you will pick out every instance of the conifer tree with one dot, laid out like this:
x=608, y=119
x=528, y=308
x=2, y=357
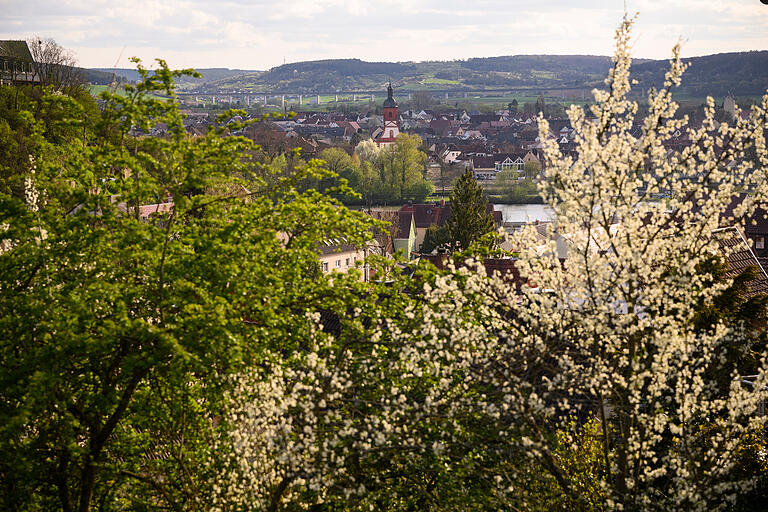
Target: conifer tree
x=469, y=219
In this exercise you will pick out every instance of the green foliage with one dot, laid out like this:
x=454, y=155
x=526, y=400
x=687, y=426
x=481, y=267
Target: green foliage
x=34, y=122
x=531, y=169
x=401, y=168
x=522, y=192
x=435, y=238
x=469, y=220
x=120, y=332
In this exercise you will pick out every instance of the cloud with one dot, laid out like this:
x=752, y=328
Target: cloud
x=258, y=34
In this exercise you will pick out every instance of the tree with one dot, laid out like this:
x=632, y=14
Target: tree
x=435, y=238
x=199, y=360
x=367, y=150
x=469, y=219
x=588, y=386
x=341, y=165
x=531, y=169
x=55, y=66
x=401, y=169
x=32, y=122
x=421, y=100
x=134, y=325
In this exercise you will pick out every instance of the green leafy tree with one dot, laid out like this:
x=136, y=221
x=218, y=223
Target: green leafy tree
x=342, y=165
x=531, y=169
x=401, y=168
x=34, y=121
x=122, y=323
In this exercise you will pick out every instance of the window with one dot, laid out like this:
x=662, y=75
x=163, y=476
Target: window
x=325, y=267
x=338, y=263
x=347, y=261
x=759, y=242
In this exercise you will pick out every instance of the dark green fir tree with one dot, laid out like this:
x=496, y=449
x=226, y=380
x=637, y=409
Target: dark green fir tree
x=469, y=219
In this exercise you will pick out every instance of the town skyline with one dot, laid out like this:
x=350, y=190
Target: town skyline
x=265, y=34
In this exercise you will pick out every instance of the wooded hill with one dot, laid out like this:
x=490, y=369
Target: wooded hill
x=209, y=74
x=741, y=74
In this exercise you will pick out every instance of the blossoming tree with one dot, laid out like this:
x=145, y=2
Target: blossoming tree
x=466, y=390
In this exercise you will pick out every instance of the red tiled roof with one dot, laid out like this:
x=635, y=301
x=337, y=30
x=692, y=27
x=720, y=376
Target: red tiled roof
x=425, y=215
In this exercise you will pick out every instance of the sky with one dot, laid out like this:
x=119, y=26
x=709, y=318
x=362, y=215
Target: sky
x=260, y=34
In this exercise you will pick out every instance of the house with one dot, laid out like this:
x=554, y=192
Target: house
x=437, y=214
x=754, y=227
x=514, y=161
x=483, y=167
x=508, y=162
x=502, y=268
x=336, y=255
x=426, y=215
x=450, y=155
x=16, y=63
x=401, y=234
x=736, y=249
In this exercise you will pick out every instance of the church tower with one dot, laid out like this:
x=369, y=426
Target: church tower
x=391, y=127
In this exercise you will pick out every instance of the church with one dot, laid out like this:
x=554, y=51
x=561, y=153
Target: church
x=387, y=135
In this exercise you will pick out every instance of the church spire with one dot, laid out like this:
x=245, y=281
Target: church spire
x=390, y=101
x=391, y=128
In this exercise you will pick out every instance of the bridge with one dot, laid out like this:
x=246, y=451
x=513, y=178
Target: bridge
x=283, y=98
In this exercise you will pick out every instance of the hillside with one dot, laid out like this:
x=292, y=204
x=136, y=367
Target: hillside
x=743, y=74
x=477, y=73
x=209, y=75
x=740, y=74
x=97, y=77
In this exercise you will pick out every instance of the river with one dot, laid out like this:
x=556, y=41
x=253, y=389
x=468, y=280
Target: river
x=520, y=213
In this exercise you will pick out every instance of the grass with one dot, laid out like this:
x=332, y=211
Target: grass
x=543, y=74
x=96, y=90
x=440, y=81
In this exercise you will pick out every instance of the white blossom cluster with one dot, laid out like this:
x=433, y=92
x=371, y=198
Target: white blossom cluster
x=31, y=193
x=609, y=333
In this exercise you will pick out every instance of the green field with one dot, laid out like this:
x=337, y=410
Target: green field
x=96, y=90
x=440, y=81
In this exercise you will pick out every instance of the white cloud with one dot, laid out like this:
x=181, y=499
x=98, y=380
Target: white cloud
x=258, y=34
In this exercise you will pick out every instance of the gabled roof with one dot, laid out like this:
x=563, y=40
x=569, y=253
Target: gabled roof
x=405, y=222
x=16, y=50
x=335, y=245
x=400, y=219
x=425, y=215
x=482, y=162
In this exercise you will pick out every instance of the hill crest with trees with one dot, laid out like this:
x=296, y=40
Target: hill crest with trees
x=738, y=73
